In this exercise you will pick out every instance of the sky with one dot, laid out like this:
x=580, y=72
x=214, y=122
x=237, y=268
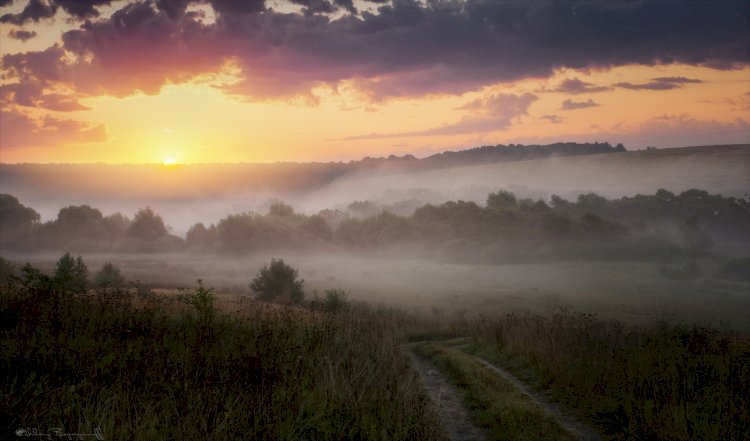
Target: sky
x=224, y=81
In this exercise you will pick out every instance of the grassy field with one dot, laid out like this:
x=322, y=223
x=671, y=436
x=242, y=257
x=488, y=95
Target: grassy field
x=667, y=381
x=496, y=406
x=144, y=367
x=144, y=363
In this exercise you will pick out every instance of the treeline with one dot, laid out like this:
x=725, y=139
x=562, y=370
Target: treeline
x=506, y=228
x=83, y=228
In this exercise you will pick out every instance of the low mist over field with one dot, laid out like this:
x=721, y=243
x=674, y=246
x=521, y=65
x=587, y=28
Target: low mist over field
x=188, y=194
x=624, y=234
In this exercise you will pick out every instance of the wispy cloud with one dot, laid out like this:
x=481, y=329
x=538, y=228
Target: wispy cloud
x=487, y=114
x=573, y=105
x=661, y=83
x=575, y=86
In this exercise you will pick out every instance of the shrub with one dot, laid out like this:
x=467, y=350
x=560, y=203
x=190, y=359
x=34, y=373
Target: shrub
x=278, y=281
x=202, y=299
x=109, y=277
x=335, y=300
x=71, y=273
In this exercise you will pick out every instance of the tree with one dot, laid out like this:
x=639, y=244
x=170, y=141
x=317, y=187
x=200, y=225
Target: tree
x=109, y=277
x=16, y=221
x=147, y=225
x=501, y=199
x=280, y=209
x=71, y=273
x=278, y=281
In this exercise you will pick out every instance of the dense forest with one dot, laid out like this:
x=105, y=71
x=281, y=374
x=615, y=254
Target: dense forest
x=661, y=226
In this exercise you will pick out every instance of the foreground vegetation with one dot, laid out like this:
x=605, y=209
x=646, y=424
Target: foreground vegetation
x=80, y=355
x=670, y=382
x=496, y=405
x=143, y=367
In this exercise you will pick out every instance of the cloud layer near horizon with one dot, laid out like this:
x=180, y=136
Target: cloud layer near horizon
x=408, y=48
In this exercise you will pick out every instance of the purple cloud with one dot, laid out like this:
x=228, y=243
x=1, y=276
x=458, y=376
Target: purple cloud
x=406, y=48
x=573, y=105
x=575, y=87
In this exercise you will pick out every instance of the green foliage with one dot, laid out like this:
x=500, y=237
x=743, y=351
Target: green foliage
x=335, y=300
x=202, y=300
x=71, y=274
x=151, y=373
x=501, y=199
x=278, y=282
x=666, y=382
x=109, y=277
x=497, y=406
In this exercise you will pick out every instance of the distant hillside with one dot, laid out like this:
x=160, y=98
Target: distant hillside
x=488, y=154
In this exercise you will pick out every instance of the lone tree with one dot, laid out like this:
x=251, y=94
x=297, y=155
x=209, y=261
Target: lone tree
x=278, y=281
x=71, y=273
x=109, y=277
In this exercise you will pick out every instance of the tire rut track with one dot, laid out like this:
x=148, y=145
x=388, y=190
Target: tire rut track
x=455, y=417
x=446, y=399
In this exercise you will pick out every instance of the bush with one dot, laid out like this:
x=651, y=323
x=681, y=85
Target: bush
x=71, y=274
x=109, y=277
x=335, y=300
x=278, y=282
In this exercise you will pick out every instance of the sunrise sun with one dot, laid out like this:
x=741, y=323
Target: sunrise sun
x=169, y=161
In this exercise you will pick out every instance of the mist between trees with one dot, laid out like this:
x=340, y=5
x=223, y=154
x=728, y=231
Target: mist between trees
x=663, y=226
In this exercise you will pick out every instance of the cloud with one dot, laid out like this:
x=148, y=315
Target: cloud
x=575, y=86
x=554, y=119
x=37, y=10
x=21, y=130
x=406, y=48
x=661, y=83
x=34, y=11
x=21, y=34
x=488, y=114
x=33, y=95
x=573, y=105
x=677, y=80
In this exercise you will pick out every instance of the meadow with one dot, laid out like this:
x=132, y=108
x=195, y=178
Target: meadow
x=147, y=362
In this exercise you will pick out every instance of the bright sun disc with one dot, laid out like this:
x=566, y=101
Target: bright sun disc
x=170, y=161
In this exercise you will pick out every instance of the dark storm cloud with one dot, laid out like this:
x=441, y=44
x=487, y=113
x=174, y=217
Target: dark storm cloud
x=21, y=34
x=573, y=105
x=36, y=10
x=661, y=83
x=407, y=48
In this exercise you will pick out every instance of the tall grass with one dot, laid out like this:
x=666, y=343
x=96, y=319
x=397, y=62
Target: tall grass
x=670, y=382
x=140, y=367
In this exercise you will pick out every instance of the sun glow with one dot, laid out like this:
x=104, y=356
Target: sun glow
x=169, y=161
